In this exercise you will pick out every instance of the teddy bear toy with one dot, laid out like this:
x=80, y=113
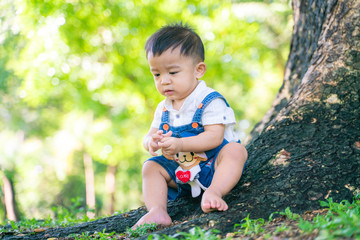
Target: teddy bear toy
x=188, y=170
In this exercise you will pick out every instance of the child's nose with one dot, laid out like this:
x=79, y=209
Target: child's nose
x=165, y=79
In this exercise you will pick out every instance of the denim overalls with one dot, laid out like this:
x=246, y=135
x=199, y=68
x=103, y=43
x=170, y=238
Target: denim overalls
x=194, y=128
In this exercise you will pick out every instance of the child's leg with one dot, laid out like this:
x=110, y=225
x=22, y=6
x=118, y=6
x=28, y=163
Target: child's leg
x=228, y=169
x=155, y=188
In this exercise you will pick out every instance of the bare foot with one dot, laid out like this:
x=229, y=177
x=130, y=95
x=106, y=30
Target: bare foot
x=155, y=215
x=212, y=201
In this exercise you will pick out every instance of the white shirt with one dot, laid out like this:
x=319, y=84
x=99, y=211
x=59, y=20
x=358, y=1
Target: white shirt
x=217, y=112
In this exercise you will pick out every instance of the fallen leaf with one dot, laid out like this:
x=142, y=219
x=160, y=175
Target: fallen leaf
x=357, y=145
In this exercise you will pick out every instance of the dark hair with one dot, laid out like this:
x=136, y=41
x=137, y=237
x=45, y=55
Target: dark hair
x=175, y=35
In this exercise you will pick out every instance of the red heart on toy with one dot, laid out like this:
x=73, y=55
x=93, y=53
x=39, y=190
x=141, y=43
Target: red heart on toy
x=183, y=176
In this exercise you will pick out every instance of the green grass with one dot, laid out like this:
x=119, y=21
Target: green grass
x=340, y=220
x=195, y=233
x=290, y=215
x=141, y=230
x=97, y=235
x=63, y=218
x=250, y=226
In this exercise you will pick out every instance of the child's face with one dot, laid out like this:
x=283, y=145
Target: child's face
x=175, y=75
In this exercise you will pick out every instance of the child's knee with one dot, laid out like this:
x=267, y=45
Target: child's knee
x=151, y=168
x=234, y=152
x=241, y=152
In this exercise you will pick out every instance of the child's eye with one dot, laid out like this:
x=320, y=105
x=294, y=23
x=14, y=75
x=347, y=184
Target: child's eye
x=156, y=74
x=172, y=73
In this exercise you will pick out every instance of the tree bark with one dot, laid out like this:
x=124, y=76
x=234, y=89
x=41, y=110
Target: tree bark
x=307, y=147
x=311, y=18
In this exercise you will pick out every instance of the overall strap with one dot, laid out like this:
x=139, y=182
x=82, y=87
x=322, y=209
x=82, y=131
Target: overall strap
x=199, y=111
x=165, y=119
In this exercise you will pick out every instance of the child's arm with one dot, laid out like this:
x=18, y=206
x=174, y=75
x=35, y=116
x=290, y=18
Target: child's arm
x=212, y=137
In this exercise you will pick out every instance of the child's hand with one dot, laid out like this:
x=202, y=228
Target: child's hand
x=170, y=145
x=154, y=142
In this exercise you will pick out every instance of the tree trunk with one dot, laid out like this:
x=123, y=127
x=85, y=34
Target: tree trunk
x=9, y=199
x=110, y=183
x=307, y=147
x=312, y=23
x=90, y=185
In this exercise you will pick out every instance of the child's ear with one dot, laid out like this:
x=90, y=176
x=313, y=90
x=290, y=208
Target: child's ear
x=200, y=69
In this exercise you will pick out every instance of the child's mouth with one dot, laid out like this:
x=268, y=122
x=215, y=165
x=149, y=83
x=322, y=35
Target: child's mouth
x=169, y=92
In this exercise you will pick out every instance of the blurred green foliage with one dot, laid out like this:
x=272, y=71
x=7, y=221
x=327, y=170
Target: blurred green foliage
x=74, y=79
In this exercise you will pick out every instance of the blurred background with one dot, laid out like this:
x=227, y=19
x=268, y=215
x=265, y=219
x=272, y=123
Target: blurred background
x=77, y=96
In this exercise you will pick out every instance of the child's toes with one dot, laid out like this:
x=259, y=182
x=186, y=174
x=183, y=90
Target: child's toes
x=206, y=205
x=223, y=207
x=213, y=204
